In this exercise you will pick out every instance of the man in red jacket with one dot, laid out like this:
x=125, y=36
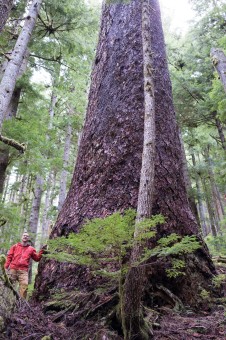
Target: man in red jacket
x=18, y=259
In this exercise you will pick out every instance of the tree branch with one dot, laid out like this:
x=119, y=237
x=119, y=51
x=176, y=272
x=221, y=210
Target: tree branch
x=11, y=142
x=45, y=58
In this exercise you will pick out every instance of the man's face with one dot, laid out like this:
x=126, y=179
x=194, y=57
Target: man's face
x=25, y=237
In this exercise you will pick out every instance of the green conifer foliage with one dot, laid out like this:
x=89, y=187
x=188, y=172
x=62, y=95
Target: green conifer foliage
x=103, y=243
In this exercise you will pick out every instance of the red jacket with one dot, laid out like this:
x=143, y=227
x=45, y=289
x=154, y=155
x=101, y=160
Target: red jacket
x=19, y=256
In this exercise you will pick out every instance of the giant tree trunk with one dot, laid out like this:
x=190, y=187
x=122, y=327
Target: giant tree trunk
x=107, y=172
x=19, y=52
x=5, y=8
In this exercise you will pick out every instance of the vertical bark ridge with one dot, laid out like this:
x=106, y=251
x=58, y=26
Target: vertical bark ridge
x=132, y=316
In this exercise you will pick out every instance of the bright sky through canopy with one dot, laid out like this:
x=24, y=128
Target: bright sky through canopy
x=179, y=11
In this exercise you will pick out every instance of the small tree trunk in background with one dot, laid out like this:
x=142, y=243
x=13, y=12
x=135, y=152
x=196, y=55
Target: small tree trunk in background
x=219, y=62
x=6, y=188
x=29, y=198
x=52, y=109
x=34, y=215
x=188, y=181
x=36, y=204
x=23, y=184
x=53, y=189
x=220, y=131
x=64, y=172
x=214, y=193
x=200, y=201
x=45, y=220
x=19, y=52
x=23, y=194
x=5, y=8
x=209, y=203
x=220, y=203
x=14, y=189
x=16, y=182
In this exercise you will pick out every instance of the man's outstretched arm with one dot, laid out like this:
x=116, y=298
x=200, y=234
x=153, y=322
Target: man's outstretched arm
x=37, y=256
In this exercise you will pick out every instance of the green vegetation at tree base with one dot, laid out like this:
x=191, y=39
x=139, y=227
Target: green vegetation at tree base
x=103, y=243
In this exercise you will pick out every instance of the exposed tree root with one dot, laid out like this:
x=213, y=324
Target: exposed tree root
x=168, y=295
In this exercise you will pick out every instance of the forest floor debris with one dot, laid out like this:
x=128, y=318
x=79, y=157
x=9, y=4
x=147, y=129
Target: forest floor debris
x=32, y=321
x=27, y=324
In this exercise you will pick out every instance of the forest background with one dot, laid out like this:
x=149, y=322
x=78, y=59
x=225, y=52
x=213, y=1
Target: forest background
x=47, y=109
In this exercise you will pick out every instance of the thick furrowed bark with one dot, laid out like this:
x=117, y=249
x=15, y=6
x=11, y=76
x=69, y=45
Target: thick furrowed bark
x=109, y=158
